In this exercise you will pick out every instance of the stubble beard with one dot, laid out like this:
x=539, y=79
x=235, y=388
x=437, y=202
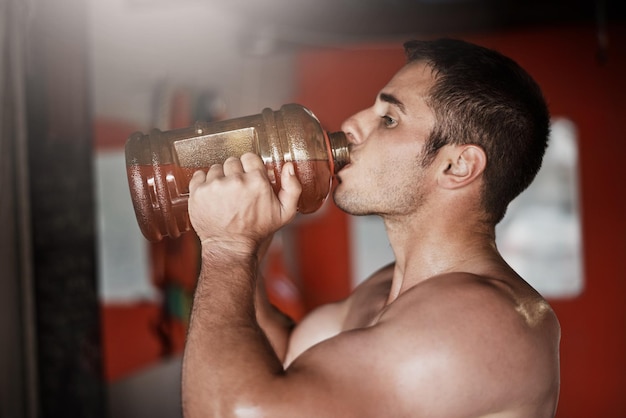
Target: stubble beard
x=386, y=199
x=349, y=204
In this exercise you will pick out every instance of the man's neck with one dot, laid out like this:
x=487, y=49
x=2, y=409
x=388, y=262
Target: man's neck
x=425, y=248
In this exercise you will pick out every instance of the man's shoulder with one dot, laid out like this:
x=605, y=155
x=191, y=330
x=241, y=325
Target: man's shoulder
x=478, y=302
x=482, y=334
x=486, y=334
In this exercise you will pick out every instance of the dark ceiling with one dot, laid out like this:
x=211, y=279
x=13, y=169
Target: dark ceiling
x=378, y=19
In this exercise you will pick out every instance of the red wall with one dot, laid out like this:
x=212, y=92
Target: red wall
x=336, y=83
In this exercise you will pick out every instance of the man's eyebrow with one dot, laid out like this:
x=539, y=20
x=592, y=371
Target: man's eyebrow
x=390, y=98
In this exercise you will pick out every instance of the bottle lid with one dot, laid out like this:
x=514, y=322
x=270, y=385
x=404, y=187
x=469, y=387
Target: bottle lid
x=339, y=149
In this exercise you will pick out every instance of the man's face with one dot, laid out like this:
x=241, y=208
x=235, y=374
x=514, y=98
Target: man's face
x=385, y=175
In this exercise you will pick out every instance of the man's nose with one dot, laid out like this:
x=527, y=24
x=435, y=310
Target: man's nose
x=353, y=130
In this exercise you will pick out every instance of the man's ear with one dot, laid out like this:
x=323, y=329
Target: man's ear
x=462, y=165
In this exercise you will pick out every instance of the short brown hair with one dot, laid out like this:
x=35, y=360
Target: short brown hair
x=482, y=97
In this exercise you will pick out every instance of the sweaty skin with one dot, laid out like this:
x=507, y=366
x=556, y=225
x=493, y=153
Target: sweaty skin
x=448, y=330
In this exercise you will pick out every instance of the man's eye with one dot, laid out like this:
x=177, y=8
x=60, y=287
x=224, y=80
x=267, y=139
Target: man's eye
x=388, y=121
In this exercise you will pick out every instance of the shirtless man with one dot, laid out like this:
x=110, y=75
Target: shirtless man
x=449, y=330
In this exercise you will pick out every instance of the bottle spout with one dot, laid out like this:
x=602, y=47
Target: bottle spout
x=339, y=149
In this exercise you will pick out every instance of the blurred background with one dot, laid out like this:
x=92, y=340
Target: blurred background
x=93, y=316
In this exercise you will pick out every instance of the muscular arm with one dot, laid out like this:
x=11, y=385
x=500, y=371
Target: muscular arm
x=226, y=348
x=230, y=367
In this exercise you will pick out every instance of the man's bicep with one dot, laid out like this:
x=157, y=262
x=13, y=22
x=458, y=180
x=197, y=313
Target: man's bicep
x=389, y=369
x=354, y=374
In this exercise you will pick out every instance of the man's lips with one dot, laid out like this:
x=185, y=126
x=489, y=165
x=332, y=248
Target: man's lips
x=338, y=174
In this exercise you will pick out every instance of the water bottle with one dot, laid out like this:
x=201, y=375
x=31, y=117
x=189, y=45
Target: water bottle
x=160, y=164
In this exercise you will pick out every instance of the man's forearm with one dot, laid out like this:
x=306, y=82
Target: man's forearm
x=226, y=349
x=229, y=364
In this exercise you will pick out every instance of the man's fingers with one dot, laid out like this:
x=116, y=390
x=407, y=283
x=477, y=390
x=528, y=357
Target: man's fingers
x=251, y=162
x=232, y=165
x=290, y=190
x=197, y=179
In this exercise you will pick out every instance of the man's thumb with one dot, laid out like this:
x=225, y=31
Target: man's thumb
x=290, y=190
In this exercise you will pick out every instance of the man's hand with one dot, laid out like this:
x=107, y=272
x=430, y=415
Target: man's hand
x=234, y=205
